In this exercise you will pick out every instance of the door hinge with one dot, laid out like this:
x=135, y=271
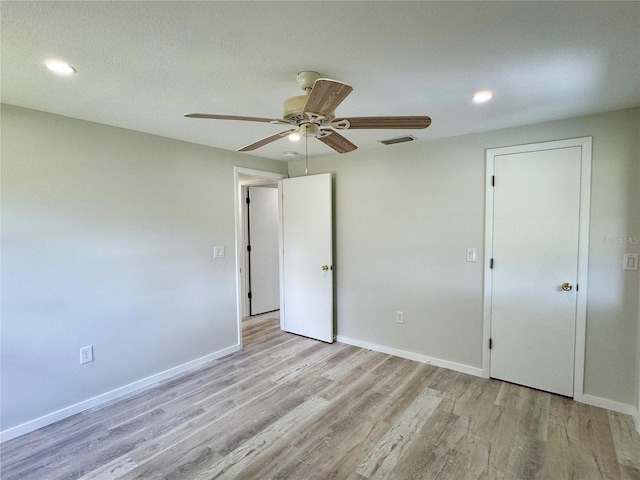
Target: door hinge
x=493, y=180
x=491, y=263
x=248, y=248
x=250, y=295
x=248, y=199
x=490, y=343
x=577, y=287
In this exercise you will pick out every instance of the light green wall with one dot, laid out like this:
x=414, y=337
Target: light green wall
x=107, y=240
x=406, y=213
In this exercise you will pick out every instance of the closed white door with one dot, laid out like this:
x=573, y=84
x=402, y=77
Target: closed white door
x=262, y=250
x=307, y=270
x=536, y=213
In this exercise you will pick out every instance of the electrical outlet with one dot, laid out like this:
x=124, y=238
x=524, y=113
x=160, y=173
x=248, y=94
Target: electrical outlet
x=399, y=317
x=86, y=354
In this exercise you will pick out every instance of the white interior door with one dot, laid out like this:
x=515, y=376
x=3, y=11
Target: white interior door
x=536, y=212
x=263, y=262
x=306, y=307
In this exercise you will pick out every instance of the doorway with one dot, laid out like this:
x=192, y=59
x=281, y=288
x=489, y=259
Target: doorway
x=305, y=248
x=536, y=247
x=243, y=179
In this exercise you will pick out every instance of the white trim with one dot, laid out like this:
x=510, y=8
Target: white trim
x=585, y=143
x=145, y=383
x=583, y=266
x=488, y=278
x=251, y=172
x=259, y=177
x=620, y=407
x=281, y=256
x=437, y=362
x=636, y=415
x=244, y=264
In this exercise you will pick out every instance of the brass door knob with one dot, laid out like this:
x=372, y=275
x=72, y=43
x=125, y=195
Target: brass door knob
x=567, y=287
x=325, y=268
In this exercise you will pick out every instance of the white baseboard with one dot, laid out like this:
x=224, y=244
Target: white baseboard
x=458, y=367
x=148, y=382
x=153, y=380
x=608, y=404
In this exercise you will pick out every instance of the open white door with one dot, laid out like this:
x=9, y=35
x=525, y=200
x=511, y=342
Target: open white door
x=306, y=305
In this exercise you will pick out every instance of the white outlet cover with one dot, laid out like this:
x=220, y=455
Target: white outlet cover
x=218, y=252
x=86, y=354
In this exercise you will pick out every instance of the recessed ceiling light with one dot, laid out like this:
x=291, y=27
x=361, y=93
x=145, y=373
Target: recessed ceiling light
x=60, y=68
x=482, y=97
x=290, y=154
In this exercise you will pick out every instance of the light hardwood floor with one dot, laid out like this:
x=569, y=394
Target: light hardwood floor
x=287, y=407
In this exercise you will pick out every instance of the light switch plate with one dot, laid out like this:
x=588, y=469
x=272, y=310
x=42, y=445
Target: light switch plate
x=472, y=255
x=218, y=252
x=630, y=261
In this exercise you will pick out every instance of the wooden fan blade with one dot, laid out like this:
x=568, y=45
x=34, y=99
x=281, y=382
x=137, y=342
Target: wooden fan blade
x=337, y=142
x=325, y=96
x=235, y=117
x=387, y=122
x=266, y=141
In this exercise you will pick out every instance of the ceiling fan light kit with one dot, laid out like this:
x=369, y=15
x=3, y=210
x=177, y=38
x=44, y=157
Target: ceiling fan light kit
x=313, y=115
x=294, y=136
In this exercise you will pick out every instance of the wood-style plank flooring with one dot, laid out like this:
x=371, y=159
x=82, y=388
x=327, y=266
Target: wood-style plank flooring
x=287, y=407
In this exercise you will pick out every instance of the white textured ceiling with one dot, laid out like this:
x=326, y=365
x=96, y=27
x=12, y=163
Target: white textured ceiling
x=142, y=65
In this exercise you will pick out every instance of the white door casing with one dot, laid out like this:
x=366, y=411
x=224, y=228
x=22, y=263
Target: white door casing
x=537, y=224
x=306, y=305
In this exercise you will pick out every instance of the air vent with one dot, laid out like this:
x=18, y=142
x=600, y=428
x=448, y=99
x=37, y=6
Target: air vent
x=392, y=141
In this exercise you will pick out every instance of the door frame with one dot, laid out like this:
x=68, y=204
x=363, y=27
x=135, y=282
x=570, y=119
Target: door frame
x=243, y=177
x=585, y=144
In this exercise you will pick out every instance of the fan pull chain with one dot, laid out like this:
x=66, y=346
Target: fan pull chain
x=306, y=151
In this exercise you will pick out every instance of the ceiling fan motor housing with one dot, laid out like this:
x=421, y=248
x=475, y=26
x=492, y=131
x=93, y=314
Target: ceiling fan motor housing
x=294, y=112
x=309, y=130
x=293, y=108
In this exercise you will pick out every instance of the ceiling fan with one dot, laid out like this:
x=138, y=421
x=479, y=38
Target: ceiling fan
x=313, y=115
